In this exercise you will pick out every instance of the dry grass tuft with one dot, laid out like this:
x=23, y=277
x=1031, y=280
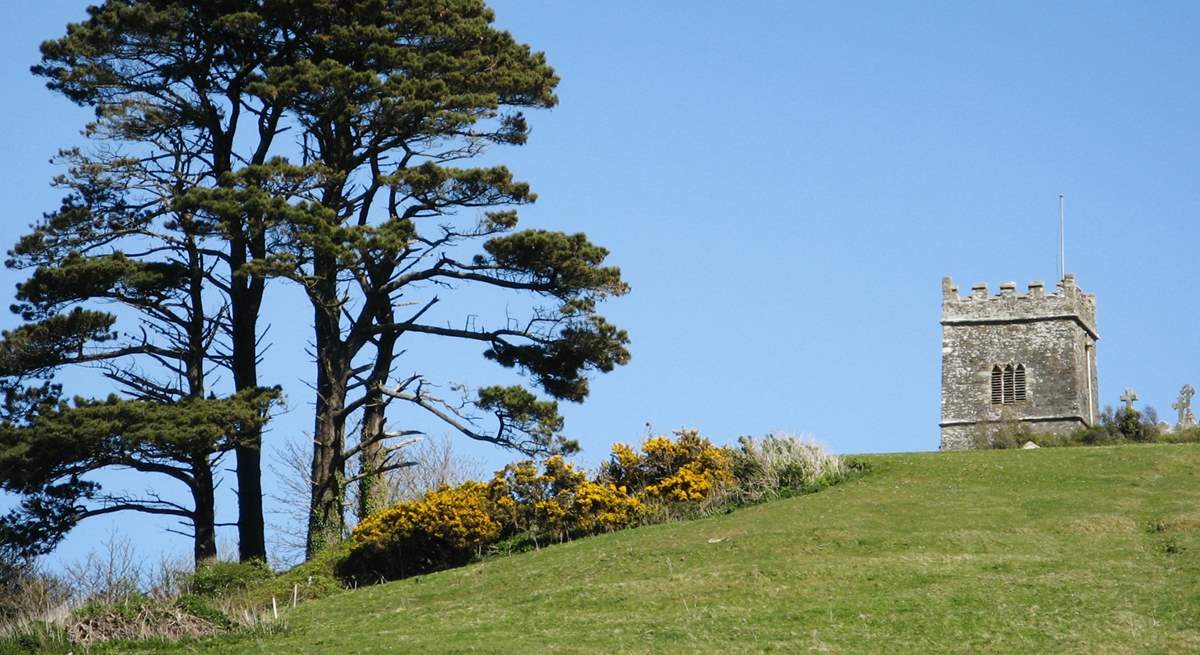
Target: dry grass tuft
x=146, y=622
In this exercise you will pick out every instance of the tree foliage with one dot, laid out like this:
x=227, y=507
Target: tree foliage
x=370, y=206
x=47, y=459
x=391, y=98
x=167, y=81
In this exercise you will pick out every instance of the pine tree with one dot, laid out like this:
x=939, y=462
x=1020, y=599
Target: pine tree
x=174, y=80
x=384, y=100
x=117, y=240
x=392, y=97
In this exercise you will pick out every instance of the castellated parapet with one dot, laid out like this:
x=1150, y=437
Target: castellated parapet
x=1017, y=357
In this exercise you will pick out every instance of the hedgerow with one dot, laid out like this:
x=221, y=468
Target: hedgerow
x=532, y=503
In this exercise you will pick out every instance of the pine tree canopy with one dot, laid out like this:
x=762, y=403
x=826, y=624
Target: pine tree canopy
x=47, y=455
x=326, y=144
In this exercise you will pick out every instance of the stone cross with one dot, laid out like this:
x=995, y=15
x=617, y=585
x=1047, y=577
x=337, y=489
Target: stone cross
x=1128, y=397
x=1184, y=405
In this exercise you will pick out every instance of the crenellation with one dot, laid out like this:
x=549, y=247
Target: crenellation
x=1068, y=301
x=949, y=290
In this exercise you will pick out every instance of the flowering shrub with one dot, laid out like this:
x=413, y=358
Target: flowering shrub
x=526, y=501
x=444, y=528
x=687, y=469
x=558, y=502
x=603, y=507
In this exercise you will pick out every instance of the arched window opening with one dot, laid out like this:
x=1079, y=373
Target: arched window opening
x=1008, y=384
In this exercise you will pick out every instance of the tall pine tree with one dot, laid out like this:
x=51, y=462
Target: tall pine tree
x=187, y=71
x=392, y=98
x=117, y=240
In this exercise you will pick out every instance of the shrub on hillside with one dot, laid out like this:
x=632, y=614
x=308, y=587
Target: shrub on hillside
x=223, y=578
x=687, y=469
x=1113, y=427
x=1190, y=435
x=558, y=502
x=529, y=502
x=317, y=578
x=444, y=528
x=783, y=463
x=1124, y=424
x=1131, y=425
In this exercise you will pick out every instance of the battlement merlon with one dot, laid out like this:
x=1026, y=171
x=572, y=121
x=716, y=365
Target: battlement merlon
x=1067, y=302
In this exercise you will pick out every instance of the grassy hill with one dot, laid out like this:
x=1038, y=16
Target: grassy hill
x=1068, y=550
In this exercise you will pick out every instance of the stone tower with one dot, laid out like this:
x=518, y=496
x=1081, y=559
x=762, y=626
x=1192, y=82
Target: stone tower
x=1027, y=357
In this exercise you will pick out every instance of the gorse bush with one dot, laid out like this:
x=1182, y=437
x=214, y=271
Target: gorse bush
x=202, y=607
x=558, y=502
x=688, y=469
x=316, y=578
x=446, y=527
x=1131, y=425
x=528, y=503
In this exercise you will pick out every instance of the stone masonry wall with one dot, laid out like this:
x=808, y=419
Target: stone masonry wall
x=1053, y=336
x=966, y=437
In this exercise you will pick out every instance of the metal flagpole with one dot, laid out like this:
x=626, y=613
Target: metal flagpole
x=1062, y=254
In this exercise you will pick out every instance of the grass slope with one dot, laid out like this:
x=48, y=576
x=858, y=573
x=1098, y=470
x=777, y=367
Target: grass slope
x=1068, y=550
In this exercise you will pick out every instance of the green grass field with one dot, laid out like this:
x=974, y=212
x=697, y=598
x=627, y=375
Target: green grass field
x=1065, y=550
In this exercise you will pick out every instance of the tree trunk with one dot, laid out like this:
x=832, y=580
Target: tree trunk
x=372, y=487
x=204, y=547
x=245, y=302
x=326, y=514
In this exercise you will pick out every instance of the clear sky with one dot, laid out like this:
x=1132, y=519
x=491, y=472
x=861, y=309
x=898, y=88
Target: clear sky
x=784, y=184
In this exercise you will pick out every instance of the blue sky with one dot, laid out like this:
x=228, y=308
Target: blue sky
x=784, y=185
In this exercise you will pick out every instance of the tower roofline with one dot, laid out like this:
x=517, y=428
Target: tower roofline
x=1068, y=302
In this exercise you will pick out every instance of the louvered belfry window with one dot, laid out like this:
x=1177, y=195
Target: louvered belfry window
x=1008, y=384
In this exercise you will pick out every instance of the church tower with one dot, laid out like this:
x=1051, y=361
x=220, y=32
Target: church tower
x=1026, y=357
